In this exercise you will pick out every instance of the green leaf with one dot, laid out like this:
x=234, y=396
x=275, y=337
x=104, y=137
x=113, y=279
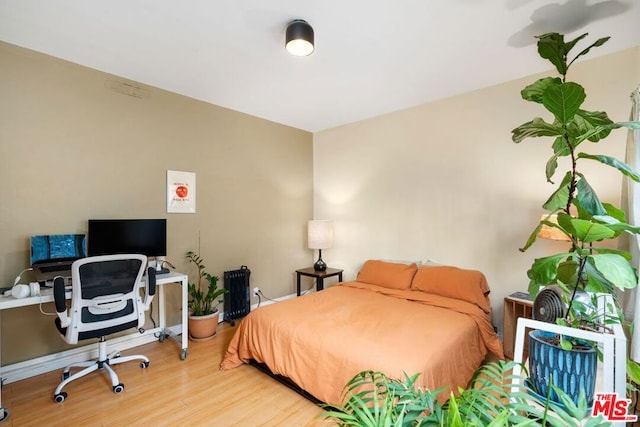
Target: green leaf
x=532, y=238
x=535, y=128
x=568, y=272
x=560, y=146
x=570, y=44
x=544, y=270
x=606, y=250
x=454, y=418
x=587, y=198
x=550, y=169
x=597, y=422
x=633, y=371
x=564, y=100
x=558, y=200
x=577, y=411
x=621, y=227
x=616, y=269
x=551, y=46
x=588, y=231
x=613, y=162
x=596, y=282
x=566, y=344
x=597, y=43
x=629, y=125
x=501, y=420
x=615, y=212
x=564, y=222
x=534, y=91
x=534, y=288
x=585, y=121
x=593, y=133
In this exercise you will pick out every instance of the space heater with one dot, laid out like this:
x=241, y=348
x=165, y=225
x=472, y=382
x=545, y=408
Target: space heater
x=237, y=302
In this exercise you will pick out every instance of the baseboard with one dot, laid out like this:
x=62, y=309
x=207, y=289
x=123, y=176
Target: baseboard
x=273, y=301
x=263, y=303
x=51, y=362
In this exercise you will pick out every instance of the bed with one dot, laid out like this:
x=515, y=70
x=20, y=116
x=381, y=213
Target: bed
x=394, y=318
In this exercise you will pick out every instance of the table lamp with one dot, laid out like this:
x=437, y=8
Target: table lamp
x=320, y=236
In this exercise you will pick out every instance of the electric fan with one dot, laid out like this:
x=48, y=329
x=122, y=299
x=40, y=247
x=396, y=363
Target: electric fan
x=548, y=305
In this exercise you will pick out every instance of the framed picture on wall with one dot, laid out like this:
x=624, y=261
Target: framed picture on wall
x=181, y=192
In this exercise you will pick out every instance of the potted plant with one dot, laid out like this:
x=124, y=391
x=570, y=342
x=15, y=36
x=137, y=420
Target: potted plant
x=203, y=302
x=574, y=208
x=373, y=399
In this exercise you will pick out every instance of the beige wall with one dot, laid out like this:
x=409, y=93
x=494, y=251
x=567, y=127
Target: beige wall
x=71, y=149
x=444, y=181
x=440, y=181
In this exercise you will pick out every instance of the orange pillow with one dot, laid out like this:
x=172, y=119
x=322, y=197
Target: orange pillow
x=453, y=282
x=393, y=275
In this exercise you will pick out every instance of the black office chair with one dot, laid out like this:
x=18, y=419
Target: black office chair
x=105, y=299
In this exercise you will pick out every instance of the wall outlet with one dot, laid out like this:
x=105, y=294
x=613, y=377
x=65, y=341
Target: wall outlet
x=256, y=291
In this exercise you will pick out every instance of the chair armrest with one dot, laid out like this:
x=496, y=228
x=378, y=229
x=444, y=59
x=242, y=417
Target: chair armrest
x=60, y=299
x=151, y=281
x=150, y=287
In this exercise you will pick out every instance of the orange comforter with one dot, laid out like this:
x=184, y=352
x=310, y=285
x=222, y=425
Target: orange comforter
x=321, y=340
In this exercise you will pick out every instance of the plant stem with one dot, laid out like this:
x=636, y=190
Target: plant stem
x=583, y=262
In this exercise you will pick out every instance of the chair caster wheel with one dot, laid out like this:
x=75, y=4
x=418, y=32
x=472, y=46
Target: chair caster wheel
x=65, y=375
x=118, y=388
x=60, y=397
x=183, y=354
x=144, y=365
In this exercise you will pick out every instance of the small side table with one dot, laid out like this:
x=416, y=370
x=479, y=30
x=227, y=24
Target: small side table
x=319, y=276
x=515, y=306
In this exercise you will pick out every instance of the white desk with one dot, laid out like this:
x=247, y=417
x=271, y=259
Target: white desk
x=162, y=331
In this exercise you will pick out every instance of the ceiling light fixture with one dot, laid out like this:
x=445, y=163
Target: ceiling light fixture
x=299, y=39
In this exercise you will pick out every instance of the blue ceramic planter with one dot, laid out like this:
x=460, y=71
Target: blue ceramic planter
x=571, y=371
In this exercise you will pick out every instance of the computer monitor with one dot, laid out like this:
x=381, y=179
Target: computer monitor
x=127, y=236
x=51, y=247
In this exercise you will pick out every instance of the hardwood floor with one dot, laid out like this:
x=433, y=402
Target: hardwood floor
x=170, y=392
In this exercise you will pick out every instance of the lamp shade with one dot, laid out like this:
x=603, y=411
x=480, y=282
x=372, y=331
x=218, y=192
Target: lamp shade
x=320, y=234
x=552, y=233
x=299, y=38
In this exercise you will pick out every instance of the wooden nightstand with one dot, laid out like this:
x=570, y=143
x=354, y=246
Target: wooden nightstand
x=318, y=275
x=515, y=306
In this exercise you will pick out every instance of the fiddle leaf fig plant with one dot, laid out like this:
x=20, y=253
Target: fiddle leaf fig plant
x=573, y=207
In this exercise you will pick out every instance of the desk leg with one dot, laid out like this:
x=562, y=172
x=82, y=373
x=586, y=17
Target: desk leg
x=162, y=313
x=185, y=312
x=339, y=277
x=4, y=413
x=319, y=284
x=298, y=284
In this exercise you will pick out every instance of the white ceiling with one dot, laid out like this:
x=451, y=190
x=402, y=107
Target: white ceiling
x=372, y=56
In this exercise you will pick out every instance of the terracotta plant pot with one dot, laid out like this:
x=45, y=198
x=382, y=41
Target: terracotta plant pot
x=203, y=328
